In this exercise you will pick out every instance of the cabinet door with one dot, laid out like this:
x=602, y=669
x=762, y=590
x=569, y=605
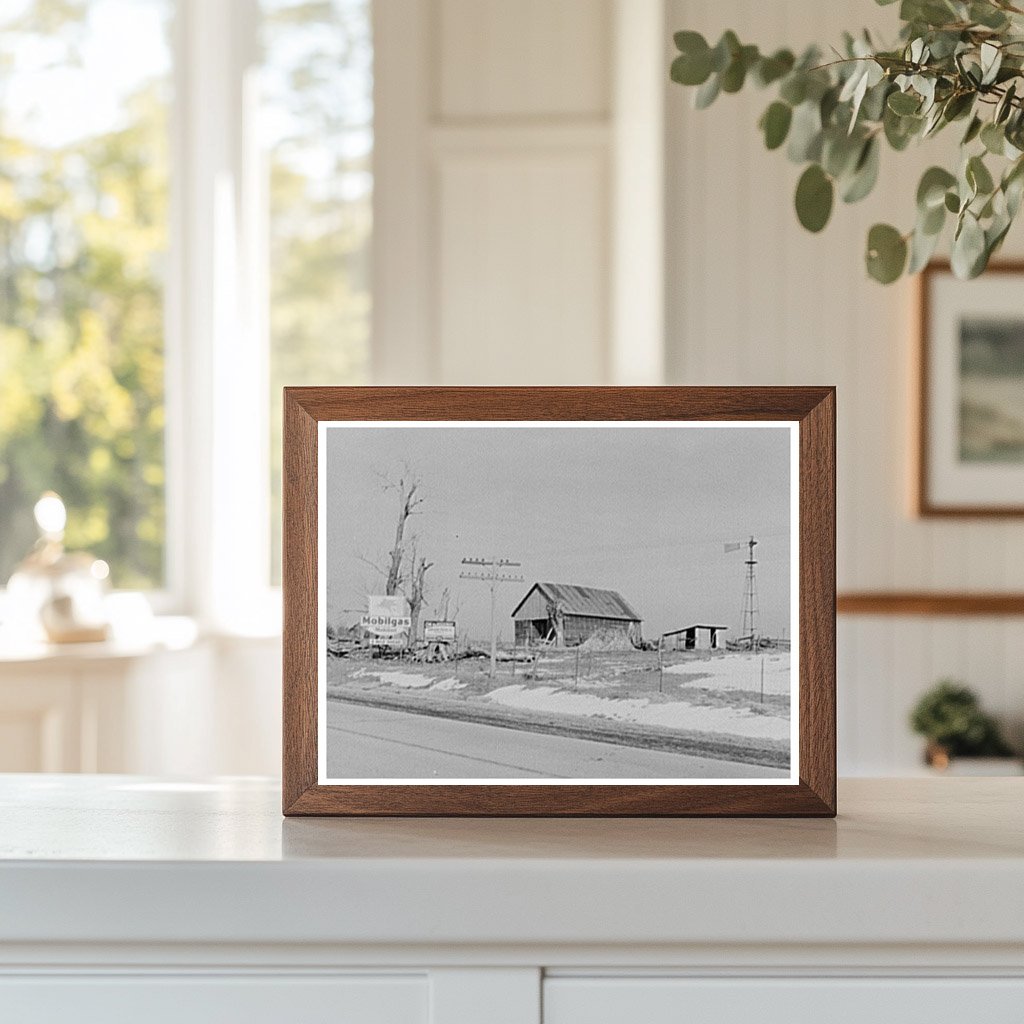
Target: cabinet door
x=782, y=1001
x=202, y=999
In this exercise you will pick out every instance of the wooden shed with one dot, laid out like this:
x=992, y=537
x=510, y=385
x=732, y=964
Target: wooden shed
x=567, y=615
x=689, y=638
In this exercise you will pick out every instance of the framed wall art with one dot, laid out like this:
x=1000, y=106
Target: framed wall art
x=970, y=444
x=559, y=601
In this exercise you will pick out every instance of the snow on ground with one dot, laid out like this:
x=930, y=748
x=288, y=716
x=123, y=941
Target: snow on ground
x=678, y=715
x=413, y=680
x=448, y=684
x=735, y=671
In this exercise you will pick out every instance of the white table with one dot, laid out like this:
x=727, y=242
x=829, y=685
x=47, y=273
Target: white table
x=124, y=898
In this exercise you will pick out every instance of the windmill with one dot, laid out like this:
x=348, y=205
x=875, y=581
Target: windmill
x=750, y=605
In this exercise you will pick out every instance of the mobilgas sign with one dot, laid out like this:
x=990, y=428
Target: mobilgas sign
x=387, y=616
x=386, y=625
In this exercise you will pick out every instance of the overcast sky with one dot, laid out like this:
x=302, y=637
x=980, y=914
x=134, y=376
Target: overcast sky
x=644, y=511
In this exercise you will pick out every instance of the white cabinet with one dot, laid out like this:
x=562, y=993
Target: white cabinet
x=828, y=1000
x=216, y=1000
x=130, y=899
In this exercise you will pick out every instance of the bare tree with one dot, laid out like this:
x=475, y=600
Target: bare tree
x=447, y=608
x=405, y=570
x=408, y=501
x=417, y=584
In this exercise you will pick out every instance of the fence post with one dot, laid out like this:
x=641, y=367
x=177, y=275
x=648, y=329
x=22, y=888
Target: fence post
x=661, y=667
x=576, y=681
x=515, y=654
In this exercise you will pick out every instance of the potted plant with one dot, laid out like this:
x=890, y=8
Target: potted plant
x=956, y=62
x=950, y=718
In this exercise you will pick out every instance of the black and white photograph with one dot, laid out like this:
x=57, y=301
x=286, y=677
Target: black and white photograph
x=541, y=602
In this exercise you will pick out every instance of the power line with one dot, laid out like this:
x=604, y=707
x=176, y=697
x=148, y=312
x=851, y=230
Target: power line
x=495, y=577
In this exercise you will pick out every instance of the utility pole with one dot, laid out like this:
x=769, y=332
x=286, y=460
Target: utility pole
x=492, y=571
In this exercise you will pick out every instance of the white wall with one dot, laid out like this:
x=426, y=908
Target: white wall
x=502, y=135
x=754, y=299
x=514, y=161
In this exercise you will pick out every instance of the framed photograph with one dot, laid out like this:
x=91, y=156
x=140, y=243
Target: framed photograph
x=559, y=601
x=970, y=450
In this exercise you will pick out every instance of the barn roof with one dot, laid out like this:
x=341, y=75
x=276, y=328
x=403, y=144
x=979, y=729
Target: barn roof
x=603, y=604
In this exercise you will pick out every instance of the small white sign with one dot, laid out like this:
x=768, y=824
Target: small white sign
x=439, y=629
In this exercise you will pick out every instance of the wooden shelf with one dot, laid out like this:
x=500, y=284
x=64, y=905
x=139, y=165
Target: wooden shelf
x=928, y=603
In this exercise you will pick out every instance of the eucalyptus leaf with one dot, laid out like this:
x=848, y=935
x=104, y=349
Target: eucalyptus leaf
x=987, y=15
x=840, y=152
x=991, y=60
x=1013, y=187
x=873, y=107
x=968, y=248
x=933, y=122
x=1014, y=192
x=973, y=130
x=724, y=51
x=805, y=133
x=865, y=174
x=690, y=70
x=794, y=88
x=932, y=221
x=903, y=103
x=900, y=130
x=814, y=196
x=978, y=176
x=775, y=124
x=958, y=105
x=993, y=138
x=886, y=253
x=771, y=69
x=735, y=74
x=1005, y=105
x=707, y=93
x=922, y=247
x=827, y=106
x=931, y=190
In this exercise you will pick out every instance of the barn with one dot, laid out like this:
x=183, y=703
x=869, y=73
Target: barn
x=567, y=615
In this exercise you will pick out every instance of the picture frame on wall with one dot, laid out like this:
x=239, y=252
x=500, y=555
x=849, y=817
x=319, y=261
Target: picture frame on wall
x=559, y=601
x=970, y=375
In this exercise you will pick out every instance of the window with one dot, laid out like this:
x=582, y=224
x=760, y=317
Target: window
x=317, y=87
x=83, y=235
x=199, y=164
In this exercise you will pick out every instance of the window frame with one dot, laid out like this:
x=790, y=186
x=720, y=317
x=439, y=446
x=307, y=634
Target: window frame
x=217, y=350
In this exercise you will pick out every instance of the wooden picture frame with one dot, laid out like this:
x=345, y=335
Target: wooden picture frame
x=940, y=488
x=310, y=413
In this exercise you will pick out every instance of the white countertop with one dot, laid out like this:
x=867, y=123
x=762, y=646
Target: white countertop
x=120, y=859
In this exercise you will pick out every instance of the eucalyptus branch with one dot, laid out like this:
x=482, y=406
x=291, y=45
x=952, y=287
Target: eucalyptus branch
x=955, y=61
